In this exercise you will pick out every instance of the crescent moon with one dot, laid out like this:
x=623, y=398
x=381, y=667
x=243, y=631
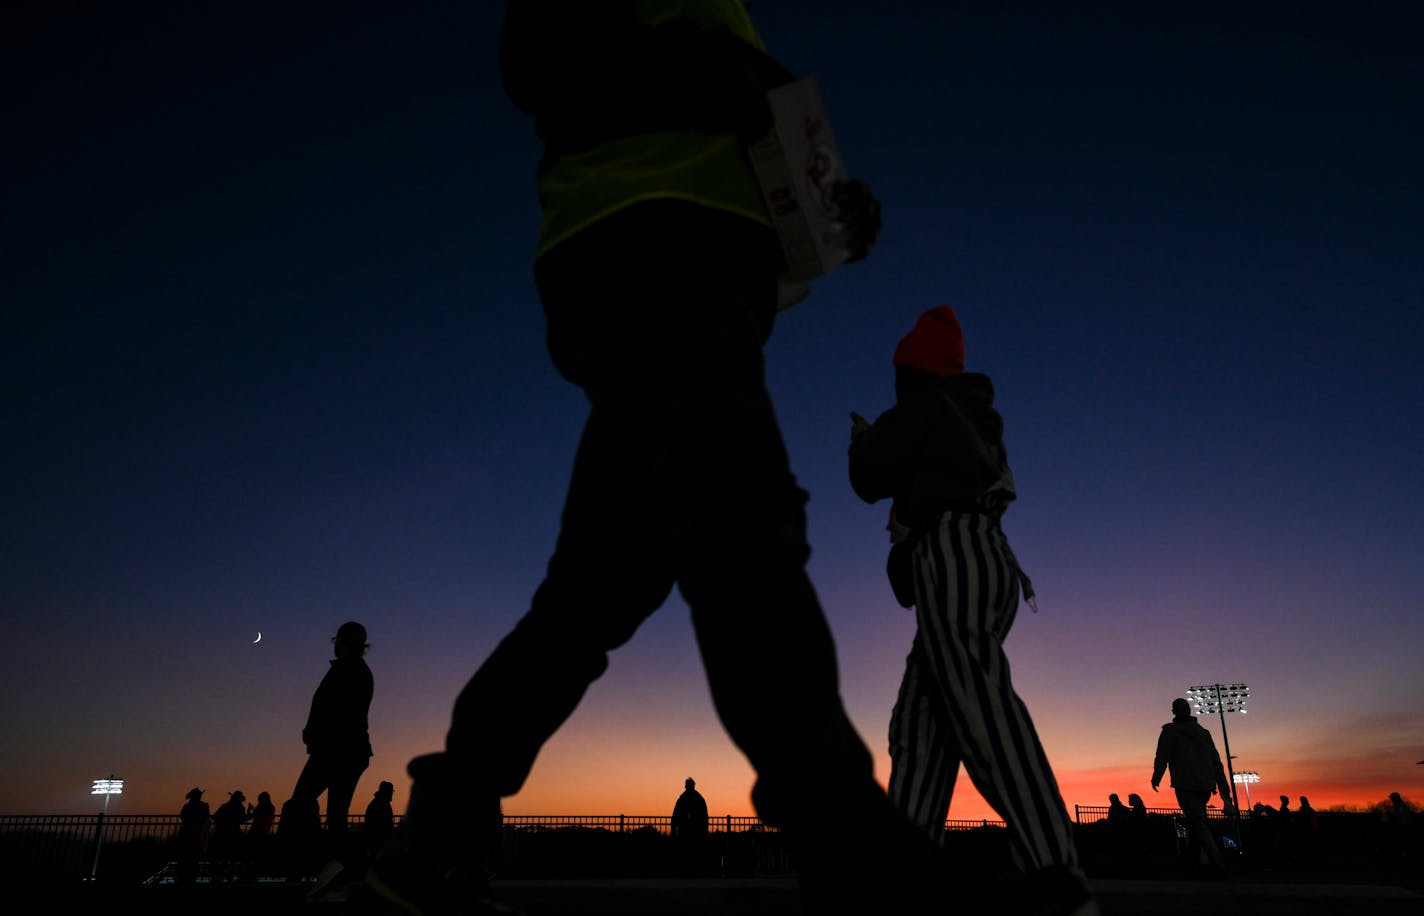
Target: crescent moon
x=258, y=639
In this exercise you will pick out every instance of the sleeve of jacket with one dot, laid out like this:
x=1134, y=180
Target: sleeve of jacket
x=1164, y=754
x=882, y=457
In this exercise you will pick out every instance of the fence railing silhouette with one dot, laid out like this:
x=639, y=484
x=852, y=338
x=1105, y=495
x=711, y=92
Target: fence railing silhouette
x=1091, y=814
x=45, y=848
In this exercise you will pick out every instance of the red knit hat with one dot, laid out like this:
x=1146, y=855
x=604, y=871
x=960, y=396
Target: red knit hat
x=934, y=345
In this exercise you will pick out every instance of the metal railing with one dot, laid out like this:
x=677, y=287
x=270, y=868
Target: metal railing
x=1091, y=814
x=622, y=823
x=49, y=848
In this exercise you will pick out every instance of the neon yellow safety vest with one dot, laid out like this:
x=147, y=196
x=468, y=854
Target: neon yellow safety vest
x=581, y=188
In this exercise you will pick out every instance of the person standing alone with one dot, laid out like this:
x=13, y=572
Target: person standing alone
x=689, y=827
x=338, y=741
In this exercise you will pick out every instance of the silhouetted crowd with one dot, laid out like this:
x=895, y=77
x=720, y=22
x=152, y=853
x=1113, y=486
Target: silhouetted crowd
x=240, y=840
x=1133, y=841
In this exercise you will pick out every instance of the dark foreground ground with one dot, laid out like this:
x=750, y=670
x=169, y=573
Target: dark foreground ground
x=742, y=897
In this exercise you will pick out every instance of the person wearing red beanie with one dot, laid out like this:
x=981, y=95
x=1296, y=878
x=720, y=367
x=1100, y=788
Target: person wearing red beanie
x=934, y=345
x=939, y=455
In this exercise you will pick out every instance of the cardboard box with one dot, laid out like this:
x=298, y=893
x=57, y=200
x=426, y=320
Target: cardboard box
x=798, y=166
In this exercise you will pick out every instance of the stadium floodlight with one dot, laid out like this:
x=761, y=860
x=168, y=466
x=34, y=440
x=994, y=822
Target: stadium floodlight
x=1245, y=779
x=105, y=787
x=1221, y=699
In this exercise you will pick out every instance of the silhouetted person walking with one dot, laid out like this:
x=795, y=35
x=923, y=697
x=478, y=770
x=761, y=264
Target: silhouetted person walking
x=380, y=818
x=657, y=269
x=939, y=455
x=194, y=826
x=1188, y=751
x=689, y=827
x=337, y=738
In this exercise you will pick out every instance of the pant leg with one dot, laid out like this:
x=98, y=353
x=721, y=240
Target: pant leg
x=344, y=777
x=967, y=596
x=643, y=315
x=312, y=781
x=1200, y=840
x=682, y=476
x=924, y=752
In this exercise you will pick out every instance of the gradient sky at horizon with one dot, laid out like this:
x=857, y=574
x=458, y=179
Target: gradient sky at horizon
x=273, y=360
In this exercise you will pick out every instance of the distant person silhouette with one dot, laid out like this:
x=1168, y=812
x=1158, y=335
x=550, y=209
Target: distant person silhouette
x=938, y=453
x=1141, y=834
x=1399, y=810
x=1265, y=846
x=194, y=827
x=1307, y=829
x=263, y=815
x=1285, y=828
x=1398, y=820
x=1119, y=826
x=227, y=836
x=299, y=838
x=689, y=827
x=1188, y=751
x=337, y=740
x=657, y=268
x=380, y=818
x=259, y=829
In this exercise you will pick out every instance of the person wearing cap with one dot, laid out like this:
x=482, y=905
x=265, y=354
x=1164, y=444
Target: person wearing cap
x=336, y=736
x=194, y=825
x=380, y=818
x=938, y=454
x=227, y=836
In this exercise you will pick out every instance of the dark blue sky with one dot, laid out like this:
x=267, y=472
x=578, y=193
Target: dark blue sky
x=273, y=360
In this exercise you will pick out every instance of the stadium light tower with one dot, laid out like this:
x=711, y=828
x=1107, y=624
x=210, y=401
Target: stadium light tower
x=1246, y=779
x=105, y=787
x=1221, y=699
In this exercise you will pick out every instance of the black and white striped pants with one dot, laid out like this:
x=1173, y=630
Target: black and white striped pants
x=957, y=702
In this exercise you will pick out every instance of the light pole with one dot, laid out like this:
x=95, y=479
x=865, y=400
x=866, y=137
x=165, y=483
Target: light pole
x=1221, y=699
x=105, y=787
x=1246, y=779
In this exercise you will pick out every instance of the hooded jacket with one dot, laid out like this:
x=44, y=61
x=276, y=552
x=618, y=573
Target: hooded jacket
x=1188, y=751
x=941, y=447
